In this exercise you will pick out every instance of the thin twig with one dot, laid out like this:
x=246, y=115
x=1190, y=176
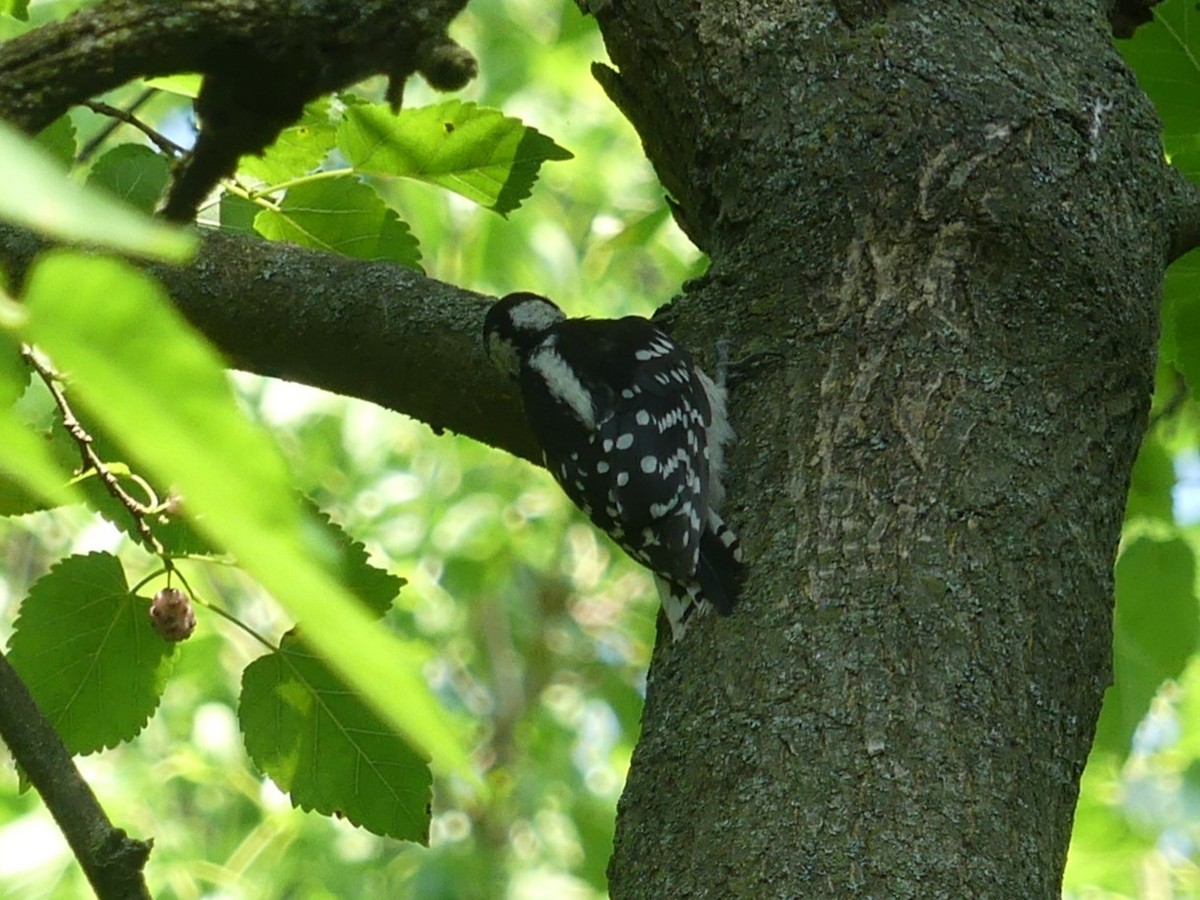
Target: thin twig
x=91, y=460
x=125, y=116
x=112, y=861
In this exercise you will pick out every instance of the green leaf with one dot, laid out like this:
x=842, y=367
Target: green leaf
x=1181, y=317
x=58, y=139
x=298, y=150
x=1152, y=482
x=133, y=173
x=30, y=478
x=18, y=9
x=1164, y=56
x=14, y=374
x=141, y=371
x=340, y=215
x=184, y=84
x=172, y=529
x=86, y=649
x=376, y=588
x=237, y=214
x=36, y=194
x=1155, y=631
x=474, y=151
x=319, y=742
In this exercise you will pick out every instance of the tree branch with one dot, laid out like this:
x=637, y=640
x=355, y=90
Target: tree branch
x=325, y=43
x=371, y=330
x=1183, y=203
x=262, y=60
x=111, y=860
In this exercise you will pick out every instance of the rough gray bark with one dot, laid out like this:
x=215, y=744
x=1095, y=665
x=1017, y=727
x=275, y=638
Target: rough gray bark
x=947, y=225
x=950, y=221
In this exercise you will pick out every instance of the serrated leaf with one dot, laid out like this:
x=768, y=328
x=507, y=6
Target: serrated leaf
x=340, y=215
x=376, y=588
x=1155, y=632
x=319, y=742
x=299, y=149
x=133, y=173
x=139, y=370
x=85, y=648
x=479, y=153
x=36, y=194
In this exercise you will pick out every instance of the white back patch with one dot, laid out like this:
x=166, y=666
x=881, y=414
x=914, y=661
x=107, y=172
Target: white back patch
x=563, y=383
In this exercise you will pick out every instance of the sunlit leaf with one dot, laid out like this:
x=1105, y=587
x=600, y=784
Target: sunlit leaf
x=1152, y=482
x=340, y=215
x=185, y=84
x=14, y=374
x=299, y=149
x=1155, y=631
x=58, y=139
x=86, y=649
x=133, y=173
x=480, y=153
x=36, y=194
x=138, y=368
x=30, y=478
x=1104, y=844
x=319, y=742
x=18, y=9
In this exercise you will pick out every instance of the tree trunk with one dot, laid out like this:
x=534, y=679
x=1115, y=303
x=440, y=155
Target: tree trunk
x=938, y=233
x=945, y=227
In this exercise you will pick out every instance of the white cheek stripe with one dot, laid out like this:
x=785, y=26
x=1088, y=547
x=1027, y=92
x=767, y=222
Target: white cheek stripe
x=563, y=384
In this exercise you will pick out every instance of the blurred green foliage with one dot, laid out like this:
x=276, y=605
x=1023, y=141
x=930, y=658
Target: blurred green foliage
x=530, y=628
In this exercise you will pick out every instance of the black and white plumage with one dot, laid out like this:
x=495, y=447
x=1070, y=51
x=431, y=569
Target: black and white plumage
x=635, y=435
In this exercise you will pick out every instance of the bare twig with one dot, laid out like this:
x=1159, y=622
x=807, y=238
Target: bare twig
x=112, y=860
x=91, y=460
x=165, y=144
x=106, y=132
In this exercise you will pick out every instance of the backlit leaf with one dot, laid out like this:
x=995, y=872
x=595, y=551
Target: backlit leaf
x=332, y=753
x=86, y=649
x=480, y=153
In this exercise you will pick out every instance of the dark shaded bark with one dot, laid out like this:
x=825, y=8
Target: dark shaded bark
x=111, y=859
